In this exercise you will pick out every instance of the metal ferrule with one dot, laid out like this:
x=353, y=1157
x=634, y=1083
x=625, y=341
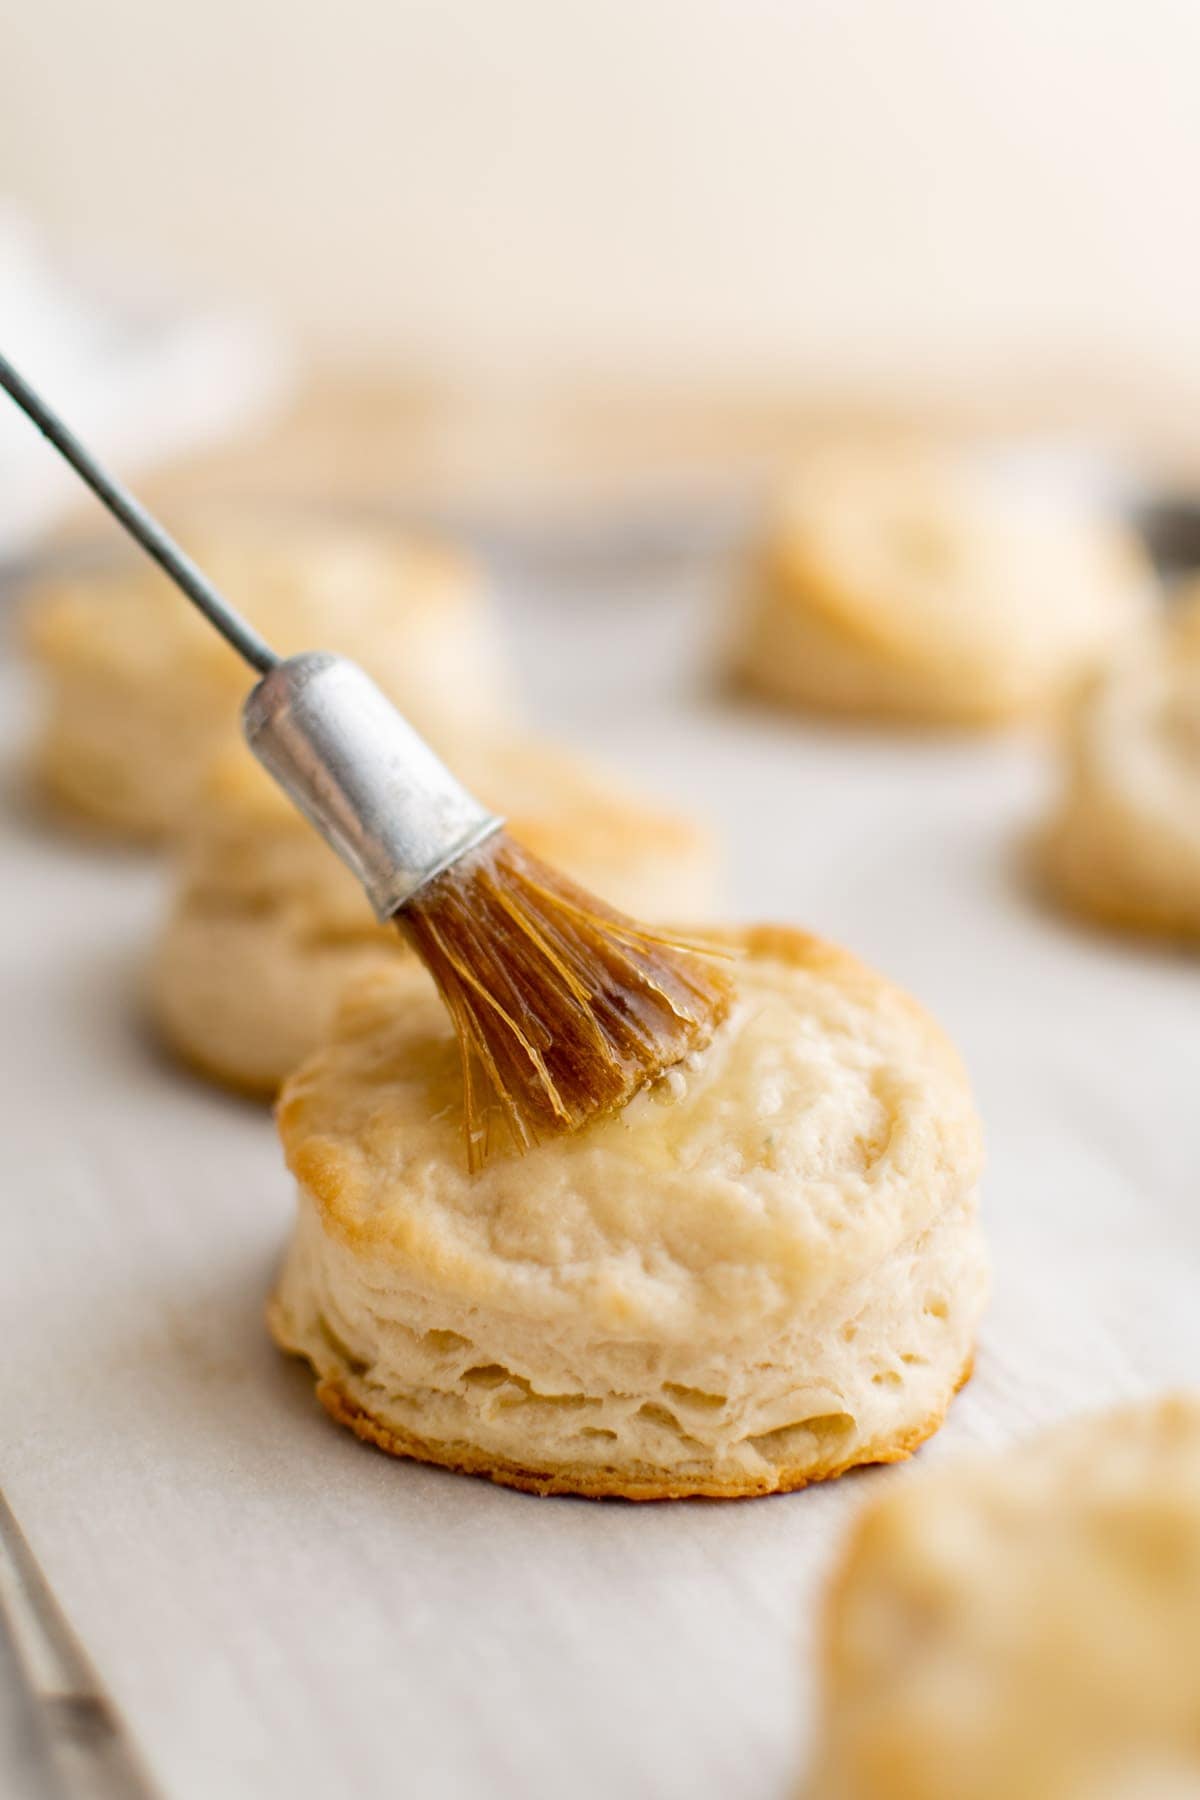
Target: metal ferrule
x=374, y=790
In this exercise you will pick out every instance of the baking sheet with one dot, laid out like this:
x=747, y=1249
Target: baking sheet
x=279, y=1610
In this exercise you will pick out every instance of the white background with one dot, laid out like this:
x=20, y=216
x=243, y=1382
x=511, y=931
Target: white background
x=754, y=189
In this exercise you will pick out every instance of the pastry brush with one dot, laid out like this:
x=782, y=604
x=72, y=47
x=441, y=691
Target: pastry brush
x=563, y=1007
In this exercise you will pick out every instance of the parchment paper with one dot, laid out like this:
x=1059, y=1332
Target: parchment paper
x=280, y=1611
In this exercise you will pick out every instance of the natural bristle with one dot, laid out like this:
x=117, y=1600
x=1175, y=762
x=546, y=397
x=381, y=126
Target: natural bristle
x=564, y=1007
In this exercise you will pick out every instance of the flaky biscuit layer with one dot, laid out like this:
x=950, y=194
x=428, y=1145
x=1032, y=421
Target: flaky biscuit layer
x=766, y=1270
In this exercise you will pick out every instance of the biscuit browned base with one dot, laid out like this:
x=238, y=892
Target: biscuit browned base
x=1128, y=917
x=909, y=718
x=209, y=1070
x=72, y=811
x=1068, y=892
x=593, y=1483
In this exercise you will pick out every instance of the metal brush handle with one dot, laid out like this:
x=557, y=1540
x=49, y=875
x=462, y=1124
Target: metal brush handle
x=332, y=740
x=138, y=522
x=374, y=789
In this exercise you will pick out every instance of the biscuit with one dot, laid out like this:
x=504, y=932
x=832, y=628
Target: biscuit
x=767, y=1269
x=903, y=587
x=266, y=925
x=1024, y=1626
x=142, y=692
x=1123, y=846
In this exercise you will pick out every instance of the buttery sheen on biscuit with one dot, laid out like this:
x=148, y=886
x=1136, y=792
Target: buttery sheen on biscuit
x=142, y=692
x=766, y=1269
x=1124, y=844
x=1025, y=1627
x=267, y=925
x=902, y=586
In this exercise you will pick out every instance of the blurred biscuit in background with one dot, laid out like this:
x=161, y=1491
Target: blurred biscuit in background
x=1024, y=1626
x=142, y=692
x=1123, y=846
x=267, y=925
x=899, y=584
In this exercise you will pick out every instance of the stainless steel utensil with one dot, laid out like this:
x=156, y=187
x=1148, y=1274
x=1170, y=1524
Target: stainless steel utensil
x=77, y=1747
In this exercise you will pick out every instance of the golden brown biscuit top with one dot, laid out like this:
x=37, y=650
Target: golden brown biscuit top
x=548, y=796
x=245, y=838
x=1027, y=1625
x=306, y=587
x=928, y=562
x=828, y=1123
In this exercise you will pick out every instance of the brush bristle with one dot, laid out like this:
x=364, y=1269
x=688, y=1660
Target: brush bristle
x=563, y=1007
